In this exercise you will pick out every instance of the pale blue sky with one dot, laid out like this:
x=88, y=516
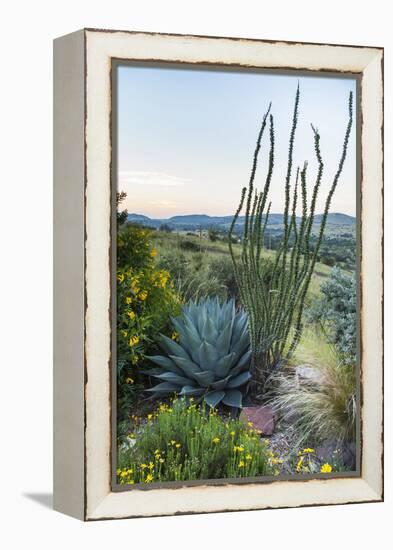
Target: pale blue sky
x=186, y=137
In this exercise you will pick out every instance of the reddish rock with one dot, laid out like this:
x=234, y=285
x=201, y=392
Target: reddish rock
x=262, y=418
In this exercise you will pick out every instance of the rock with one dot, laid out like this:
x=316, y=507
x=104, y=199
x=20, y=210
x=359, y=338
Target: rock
x=307, y=374
x=261, y=417
x=128, y=443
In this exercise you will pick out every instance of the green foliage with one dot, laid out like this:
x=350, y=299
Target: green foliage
x=192, y=279
x=211, y=359
x=165, y=227
x=134, y=247
x=322, y=408
x=183, y=442
x=145, y=302
x=121, y=216
x=213, y=234
x=186, y=244
x=275, y=309
x=221, y=269
x=336, y=312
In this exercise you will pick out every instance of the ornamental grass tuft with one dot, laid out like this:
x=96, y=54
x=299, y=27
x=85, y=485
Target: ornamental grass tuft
x=322, y=410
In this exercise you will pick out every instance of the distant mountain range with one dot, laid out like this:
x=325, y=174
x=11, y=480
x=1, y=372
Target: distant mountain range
x=203, y=221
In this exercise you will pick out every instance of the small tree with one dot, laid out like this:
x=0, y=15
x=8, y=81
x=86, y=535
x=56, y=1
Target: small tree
x=165, y=227
x=122, y=215
x=275, y=304
x=213, y=234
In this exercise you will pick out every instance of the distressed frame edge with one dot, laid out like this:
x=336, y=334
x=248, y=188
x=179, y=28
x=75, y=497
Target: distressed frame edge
x=373, y=496
x=69, y=276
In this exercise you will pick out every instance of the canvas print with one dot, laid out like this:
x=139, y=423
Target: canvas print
x=236, y=275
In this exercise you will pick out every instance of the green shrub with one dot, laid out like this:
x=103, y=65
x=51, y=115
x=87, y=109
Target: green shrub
x=145, y=303
x=146, y=300
x=211, y=359
x=336, y=311
x=186, y=244
x=176, y=263
x=192, y=281
x=221, y=268
x=134, y=247
x=181, y=442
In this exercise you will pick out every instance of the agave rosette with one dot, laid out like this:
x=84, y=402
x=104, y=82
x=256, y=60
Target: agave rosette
x=211, y=358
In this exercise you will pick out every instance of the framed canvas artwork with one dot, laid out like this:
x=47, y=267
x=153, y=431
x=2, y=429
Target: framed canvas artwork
x=218, y=274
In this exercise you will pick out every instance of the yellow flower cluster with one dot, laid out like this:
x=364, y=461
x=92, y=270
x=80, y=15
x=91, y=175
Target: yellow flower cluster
x=160, y=278
x=134, y=340
x=125, y=476
x=305, y=463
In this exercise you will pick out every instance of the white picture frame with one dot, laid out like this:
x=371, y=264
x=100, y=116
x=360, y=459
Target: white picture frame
x=83, y=208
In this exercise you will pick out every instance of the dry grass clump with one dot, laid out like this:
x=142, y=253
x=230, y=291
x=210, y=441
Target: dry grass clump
x=324, y=406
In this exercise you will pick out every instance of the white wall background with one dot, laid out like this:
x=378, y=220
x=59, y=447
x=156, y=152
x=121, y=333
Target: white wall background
x=26, y=303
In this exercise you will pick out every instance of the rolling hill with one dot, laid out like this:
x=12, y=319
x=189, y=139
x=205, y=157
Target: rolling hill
x=203, y=221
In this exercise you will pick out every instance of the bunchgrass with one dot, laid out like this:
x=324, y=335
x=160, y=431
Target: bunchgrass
x=188, y=442
x=321, y=408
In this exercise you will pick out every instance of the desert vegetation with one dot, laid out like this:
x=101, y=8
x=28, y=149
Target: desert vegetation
x=236, y=342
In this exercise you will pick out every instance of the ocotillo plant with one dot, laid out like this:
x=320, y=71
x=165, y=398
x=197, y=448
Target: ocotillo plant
x=275, y=304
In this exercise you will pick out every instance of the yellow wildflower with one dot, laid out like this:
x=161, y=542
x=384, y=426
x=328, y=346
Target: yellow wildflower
x=131, y=314
x=308, y=450
x=174, y=336
x=216, y=440
x=326, y=468
x=143, y=295
x=128, y=300
x=143, y=466
x=129, y=380
x=134, y=340
x=177, y=445
x=149, y=416
x=232, y=434
x=241, y=464
x=151, y=465
x=149, y=478
x=124, y=333
x=248, y=456
x=299, y=464
x=120, y=277
x=161, y=460
x=153, y=253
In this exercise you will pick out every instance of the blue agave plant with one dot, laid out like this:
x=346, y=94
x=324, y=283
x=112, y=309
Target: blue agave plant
x=212, y=356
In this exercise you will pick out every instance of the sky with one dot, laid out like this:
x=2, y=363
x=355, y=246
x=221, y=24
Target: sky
x=186, y=137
